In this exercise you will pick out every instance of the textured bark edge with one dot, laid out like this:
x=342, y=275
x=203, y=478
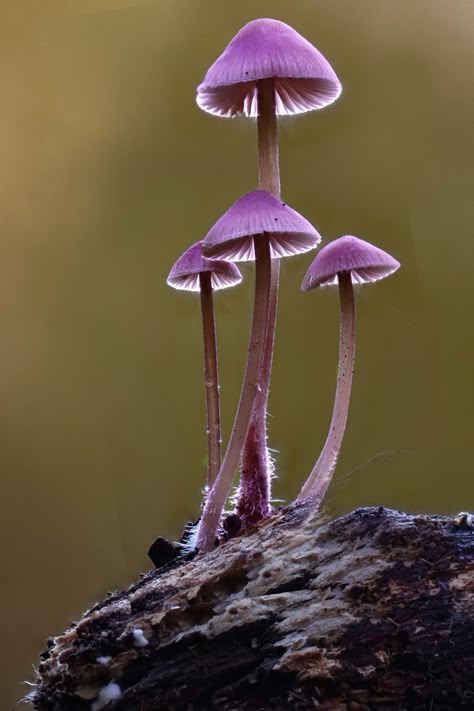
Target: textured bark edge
x=373, y=610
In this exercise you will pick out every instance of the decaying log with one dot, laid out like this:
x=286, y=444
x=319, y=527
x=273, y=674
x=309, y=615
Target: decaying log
x=374, y=610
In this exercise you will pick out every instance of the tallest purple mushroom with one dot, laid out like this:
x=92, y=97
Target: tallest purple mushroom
x=268, y=49
x=267, y=69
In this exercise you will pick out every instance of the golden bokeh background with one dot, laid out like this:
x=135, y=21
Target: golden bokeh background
x=108, y=172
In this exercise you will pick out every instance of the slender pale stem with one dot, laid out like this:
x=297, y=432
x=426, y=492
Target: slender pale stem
x=218, y=494
x=318, y=481
x=211, y=378
x=268, y=161
x=253, y=499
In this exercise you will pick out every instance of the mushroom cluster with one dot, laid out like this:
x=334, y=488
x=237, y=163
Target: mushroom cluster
x=268, y=69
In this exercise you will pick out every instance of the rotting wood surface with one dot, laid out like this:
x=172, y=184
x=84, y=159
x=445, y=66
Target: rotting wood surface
x=374, y=610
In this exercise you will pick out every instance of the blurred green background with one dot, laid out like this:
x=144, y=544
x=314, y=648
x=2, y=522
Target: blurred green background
x=108, y=172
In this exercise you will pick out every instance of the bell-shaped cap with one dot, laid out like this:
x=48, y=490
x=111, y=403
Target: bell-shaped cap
x=349, y=254
x=262, y=49
x=186, y=271
x=256, y=214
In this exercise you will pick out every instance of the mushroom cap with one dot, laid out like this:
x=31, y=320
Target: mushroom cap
x=185, y=273
x=304, y=79
x=349, y=254
x=259, y=213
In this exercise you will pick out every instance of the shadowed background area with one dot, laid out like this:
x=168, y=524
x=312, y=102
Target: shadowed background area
x=109, y=171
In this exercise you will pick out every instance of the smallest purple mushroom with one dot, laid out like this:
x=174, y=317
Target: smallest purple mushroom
x=193, y=272
x=346, y=261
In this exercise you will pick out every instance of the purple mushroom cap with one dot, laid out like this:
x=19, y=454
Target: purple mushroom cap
x=186, y=271
x=264, y=49
x=349, y=254
x=254, y=214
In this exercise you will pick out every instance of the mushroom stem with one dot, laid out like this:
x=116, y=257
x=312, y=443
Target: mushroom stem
x=218, y=494
x=211, y=378
x=268, y=161
x=318, y=481
x=253, y=497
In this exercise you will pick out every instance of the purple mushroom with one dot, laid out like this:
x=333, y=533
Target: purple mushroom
x=267, y=69
x=193, y=272
x=268, y=49
x=258, y=226
x=346, y=261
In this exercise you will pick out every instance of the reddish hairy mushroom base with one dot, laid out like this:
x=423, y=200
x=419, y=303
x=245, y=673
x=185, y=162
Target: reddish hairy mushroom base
x=253, y=496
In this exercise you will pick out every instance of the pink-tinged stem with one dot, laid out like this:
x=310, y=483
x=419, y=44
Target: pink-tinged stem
x=253, y=497
x=318, y=481
x=211, y=378
x=218, y=494
x=268, y=159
